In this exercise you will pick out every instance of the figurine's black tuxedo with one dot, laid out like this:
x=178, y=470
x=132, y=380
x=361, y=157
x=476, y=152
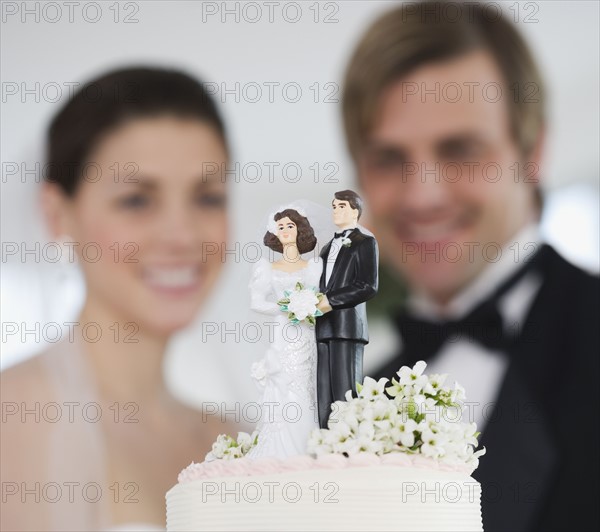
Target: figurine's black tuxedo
x=342, y=332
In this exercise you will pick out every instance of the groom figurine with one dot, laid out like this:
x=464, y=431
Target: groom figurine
x=349, y=278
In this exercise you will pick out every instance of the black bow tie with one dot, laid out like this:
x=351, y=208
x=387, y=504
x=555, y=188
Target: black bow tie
x=342, y=233
x=423, y=338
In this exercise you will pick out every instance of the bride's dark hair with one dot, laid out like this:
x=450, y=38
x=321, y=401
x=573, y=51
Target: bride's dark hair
x=106, y=102
x=306, y=239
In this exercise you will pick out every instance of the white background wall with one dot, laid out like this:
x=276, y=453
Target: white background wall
x=230, y=50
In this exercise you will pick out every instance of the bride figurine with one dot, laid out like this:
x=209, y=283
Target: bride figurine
x=287, y=373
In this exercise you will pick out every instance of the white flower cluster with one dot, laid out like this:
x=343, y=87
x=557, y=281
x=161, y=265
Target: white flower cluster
x=301, y=304
x=226, y=448
x=415, y=415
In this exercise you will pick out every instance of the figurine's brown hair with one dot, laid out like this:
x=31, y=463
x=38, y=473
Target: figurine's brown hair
x=306, y=239
x=353, y=199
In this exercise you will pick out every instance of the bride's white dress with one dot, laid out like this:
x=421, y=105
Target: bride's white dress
x=287, y=375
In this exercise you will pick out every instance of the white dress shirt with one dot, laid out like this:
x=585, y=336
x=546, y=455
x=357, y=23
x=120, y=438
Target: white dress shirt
x=334, y=251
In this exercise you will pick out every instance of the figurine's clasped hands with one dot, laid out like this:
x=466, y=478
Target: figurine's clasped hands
x=324, y=305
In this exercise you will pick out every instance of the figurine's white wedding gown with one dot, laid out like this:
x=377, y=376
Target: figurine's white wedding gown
x=287, y=375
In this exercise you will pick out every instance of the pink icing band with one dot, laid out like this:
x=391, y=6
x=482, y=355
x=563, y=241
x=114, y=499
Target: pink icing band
x=240, y=467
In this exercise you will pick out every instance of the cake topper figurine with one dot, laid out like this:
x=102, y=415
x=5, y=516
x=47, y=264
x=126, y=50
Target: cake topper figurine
x=349, y=278
x=322, y=299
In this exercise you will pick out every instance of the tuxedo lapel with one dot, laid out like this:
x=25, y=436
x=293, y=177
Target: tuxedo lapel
x=324, y=255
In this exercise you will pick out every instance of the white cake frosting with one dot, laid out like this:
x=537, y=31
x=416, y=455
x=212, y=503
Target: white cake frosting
x=330, y=492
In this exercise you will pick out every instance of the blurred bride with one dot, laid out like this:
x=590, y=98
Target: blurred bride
x=134, y=183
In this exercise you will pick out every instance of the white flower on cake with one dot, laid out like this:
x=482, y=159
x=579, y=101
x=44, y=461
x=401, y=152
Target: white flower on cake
x=413, y=376
x=434, y=383
x=373, y=388
x=301, y=304
x=226, y=448
x=416, y=414
x=404, y=432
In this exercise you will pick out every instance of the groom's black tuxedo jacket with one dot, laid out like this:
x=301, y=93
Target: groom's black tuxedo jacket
x=541, y=468
x=353, y=281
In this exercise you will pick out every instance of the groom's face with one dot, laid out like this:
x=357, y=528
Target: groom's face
x=443, y=176
x=343, y=214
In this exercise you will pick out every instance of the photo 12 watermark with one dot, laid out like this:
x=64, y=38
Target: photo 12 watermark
x=70, y=12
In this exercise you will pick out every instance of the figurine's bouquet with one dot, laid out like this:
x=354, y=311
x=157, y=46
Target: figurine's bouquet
x=301, y=304
x=415, y=415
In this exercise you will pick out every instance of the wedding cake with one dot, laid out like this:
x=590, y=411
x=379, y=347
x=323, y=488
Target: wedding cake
x=396, y=457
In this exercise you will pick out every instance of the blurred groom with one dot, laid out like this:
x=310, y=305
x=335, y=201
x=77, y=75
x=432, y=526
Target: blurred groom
x=444, y=115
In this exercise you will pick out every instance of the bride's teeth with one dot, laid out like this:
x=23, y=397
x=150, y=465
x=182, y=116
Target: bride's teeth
x=172, y=277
